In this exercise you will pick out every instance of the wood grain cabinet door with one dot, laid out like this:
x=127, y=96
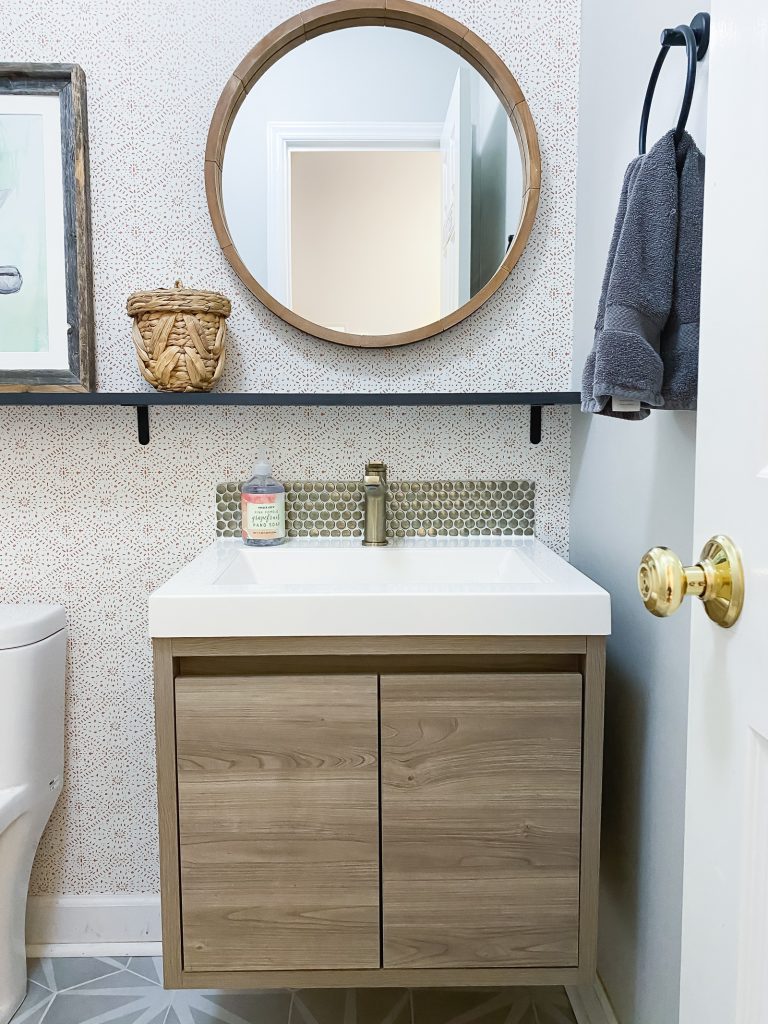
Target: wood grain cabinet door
x=481, y=794
x=278, y=822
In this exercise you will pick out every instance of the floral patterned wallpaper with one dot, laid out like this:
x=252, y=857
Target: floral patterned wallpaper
x=91, y=519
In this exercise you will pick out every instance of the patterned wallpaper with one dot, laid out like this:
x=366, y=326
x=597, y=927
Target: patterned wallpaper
x=91, y=519
x=155, y=70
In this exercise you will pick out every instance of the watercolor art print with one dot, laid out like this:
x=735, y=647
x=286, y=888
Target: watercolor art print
x=33, y=300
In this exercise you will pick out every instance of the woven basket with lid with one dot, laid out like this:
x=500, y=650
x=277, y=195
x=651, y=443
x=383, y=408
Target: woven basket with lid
x=180, y=335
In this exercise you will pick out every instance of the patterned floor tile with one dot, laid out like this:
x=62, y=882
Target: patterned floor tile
x=232, y=1007
x=70, y=1008
x=121, y=998
x=34, y=1006
x=492, y=1006
x=351, y=1006
x=149, y=967
x=552, y=1006
x=383, y=1006
x=120, y=981
x=124, y=990
x=60, y=973
x=460, y=1006
x=41, y=972
x=319, y=1006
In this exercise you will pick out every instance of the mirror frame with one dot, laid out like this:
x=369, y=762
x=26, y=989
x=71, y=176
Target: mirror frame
x=402, y=14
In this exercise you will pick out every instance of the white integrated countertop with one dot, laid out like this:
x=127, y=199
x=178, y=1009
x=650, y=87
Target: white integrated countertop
x=474, y=586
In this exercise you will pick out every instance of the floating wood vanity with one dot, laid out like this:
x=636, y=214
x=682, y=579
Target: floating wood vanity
x=381, y=766
x=379, y=811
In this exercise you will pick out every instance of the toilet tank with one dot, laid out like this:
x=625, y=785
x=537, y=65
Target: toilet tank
x=33, y=643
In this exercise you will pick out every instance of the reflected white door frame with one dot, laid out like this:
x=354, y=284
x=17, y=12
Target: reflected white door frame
x=456, y=201
x=287, y=137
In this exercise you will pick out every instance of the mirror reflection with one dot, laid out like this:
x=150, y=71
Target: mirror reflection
x=372, y=181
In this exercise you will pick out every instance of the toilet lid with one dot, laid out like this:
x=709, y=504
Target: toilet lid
x=22, y=624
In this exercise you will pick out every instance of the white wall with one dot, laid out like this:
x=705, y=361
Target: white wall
x=632, y=487
x=400, y=76
x=365, y=239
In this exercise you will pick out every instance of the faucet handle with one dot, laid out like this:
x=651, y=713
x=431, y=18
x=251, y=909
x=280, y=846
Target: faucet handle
x=376, y=468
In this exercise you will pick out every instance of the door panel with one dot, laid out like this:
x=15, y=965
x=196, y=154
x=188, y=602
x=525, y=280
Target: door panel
x=481, y=798
x=278, y=822
x=724, y=947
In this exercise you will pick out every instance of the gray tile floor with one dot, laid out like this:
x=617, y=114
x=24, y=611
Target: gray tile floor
x=128, y=990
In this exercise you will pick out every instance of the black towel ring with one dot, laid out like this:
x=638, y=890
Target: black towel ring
x=695, y=38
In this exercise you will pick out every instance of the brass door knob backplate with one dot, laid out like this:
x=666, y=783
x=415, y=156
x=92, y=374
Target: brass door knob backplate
x=717, y=579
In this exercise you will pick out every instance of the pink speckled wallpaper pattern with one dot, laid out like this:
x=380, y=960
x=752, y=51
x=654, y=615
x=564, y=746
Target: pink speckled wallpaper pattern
x=95, y=521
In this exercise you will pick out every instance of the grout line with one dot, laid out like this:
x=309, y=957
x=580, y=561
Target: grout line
x=90, y=981
x=45, y=962
x=304, y=1013
x=136, y=974
x=45, y=1011
x=40, y=985
x=396, y=1009
x=114, y=961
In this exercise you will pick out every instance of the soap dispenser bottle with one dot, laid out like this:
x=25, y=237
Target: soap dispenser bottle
x=263, y=506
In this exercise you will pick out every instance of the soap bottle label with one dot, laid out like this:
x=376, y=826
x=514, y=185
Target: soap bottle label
x=263, y=516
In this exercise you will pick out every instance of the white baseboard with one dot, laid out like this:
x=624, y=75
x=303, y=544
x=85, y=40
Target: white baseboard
x=591, y=1005
x=108, y=925
x=96, y=949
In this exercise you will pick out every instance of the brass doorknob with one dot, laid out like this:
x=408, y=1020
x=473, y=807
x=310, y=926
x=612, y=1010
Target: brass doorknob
x=717, y=579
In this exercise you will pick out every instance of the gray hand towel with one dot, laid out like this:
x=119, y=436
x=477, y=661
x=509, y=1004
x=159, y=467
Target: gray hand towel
x=647, y=329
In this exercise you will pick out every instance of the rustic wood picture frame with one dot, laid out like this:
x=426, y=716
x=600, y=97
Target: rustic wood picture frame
x=67, y=81
x=400, y=14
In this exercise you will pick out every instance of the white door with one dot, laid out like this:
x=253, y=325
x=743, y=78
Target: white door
x=725, y=893
x=456, y=197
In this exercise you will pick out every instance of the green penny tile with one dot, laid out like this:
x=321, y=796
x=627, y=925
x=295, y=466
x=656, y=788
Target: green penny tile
x=417, y=508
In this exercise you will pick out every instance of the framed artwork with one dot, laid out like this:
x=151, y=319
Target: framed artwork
x=46, y=287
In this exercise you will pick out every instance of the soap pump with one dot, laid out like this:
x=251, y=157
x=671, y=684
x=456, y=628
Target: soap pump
x=263, y=506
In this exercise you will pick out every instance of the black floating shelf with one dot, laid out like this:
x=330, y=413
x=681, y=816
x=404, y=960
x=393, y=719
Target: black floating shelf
x=141, y=400
x=137, y=398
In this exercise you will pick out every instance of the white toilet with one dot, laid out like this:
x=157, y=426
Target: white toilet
x=32, y=661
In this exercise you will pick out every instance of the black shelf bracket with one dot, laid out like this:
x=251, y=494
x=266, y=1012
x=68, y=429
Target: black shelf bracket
x=142, y=423
x=535, y=429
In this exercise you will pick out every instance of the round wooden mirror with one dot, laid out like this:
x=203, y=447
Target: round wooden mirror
x=372, y=187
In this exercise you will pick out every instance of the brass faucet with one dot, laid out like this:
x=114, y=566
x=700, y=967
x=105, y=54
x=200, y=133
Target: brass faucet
x=375, y=485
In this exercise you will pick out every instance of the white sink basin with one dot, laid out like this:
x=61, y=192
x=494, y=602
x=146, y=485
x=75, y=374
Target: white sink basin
x=465, y=587
x=352, y=570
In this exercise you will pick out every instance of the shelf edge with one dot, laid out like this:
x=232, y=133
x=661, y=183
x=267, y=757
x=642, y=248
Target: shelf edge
x=148, y=398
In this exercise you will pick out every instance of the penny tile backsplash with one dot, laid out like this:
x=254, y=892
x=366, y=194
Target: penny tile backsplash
x=414, y=508
x=93, y=520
